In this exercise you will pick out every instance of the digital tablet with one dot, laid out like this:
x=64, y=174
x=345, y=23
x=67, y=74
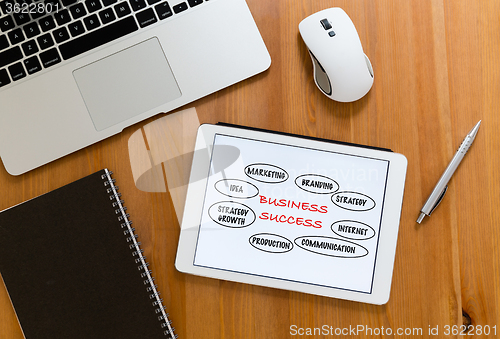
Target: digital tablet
x=293, y=213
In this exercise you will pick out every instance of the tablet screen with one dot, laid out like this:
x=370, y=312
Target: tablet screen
x=292, y=213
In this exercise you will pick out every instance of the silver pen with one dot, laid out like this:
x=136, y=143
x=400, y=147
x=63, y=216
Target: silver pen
x=442, y=185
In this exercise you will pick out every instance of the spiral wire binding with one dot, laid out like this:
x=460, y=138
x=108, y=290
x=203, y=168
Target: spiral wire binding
x=135, y=245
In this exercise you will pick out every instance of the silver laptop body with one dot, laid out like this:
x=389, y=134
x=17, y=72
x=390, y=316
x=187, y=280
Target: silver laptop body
x=80, y=99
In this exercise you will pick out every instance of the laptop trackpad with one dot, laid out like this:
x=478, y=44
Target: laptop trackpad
x=126, y=84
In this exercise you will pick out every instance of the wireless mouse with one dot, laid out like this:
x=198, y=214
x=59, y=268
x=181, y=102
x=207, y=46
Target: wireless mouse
x=341, y=69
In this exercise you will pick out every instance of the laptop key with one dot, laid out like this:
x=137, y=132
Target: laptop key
x=16, y=36
x=107, y=15
x=62, y=17
x=76, y=28
x=50, y=57
x=4, y=77
x=11, y=55
x=31, y=30
x=180, y=7
x=122, y=9
x=67, y=3
x=109, y=2
x=61, y=34
x=47, y=23
x=37, y=15
x=98, y=37
x=32, y=65
x=7, y=23
x=51, y=5
x=4, y=43
x=29, y=47
x=91, y=22
x=93, y=5
x=163, y=10
x=193, y=3
x=137, y=4
x=45, y=41
x=17, y=71
x=146, y=17
x=77, y=11
x=21, y=18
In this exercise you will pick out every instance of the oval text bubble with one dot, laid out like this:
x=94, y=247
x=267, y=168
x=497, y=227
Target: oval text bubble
x=315, y=183
x=331, y=247
x=271, y=243
x=353, y=230
x=231, y=214
x=267, y=173
x=353, y=201
x=236, y=188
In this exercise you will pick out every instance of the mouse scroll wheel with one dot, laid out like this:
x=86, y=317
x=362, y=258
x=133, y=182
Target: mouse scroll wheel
x=326, y=24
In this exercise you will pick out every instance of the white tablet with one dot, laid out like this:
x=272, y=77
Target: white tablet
x=293, y=213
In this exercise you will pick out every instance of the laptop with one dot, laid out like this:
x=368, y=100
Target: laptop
x=75, y=72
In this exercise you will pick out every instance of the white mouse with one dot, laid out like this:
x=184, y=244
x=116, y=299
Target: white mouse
x=341, y=69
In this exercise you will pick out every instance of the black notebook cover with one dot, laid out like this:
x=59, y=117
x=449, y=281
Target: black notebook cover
x=73, y=268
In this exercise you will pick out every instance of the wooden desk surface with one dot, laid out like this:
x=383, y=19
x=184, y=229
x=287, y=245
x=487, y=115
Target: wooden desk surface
x=437, y=73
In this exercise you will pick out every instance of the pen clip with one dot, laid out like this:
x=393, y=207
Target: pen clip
x=439, y=200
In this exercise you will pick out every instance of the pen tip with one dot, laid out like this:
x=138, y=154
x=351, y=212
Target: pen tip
x=474, y=130
x=421, y=217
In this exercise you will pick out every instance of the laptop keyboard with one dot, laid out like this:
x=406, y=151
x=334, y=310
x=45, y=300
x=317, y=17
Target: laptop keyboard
x=36, y=35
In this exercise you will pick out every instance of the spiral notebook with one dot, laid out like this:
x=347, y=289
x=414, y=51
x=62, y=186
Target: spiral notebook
x=73, y=266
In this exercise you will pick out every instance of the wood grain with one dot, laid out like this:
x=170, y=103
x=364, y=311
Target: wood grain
x=437, y=72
